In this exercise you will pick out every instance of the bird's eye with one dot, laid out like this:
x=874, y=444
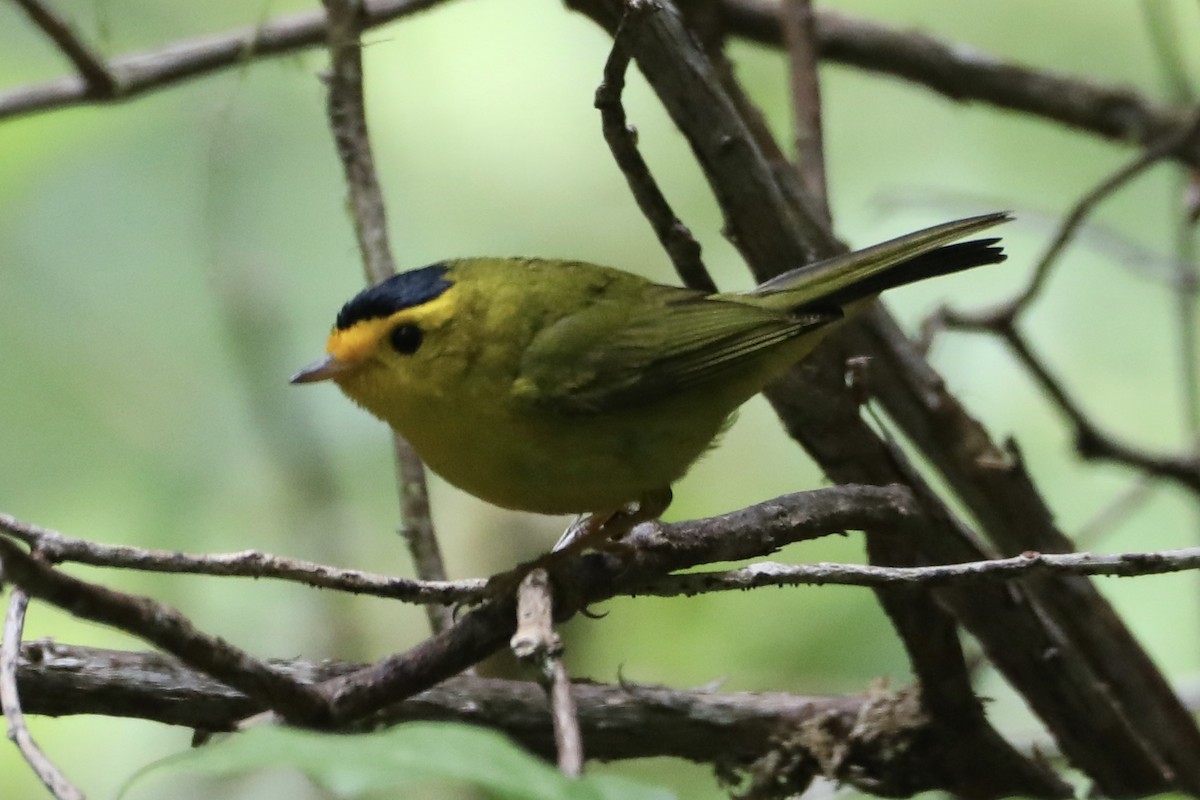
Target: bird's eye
x=406, y=338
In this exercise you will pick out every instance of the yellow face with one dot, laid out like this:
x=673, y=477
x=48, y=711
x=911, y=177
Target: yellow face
x=386, y=338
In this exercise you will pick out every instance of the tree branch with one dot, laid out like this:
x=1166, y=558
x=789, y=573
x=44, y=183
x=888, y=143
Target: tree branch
x=58, y=548
x=963, y=73
x=852, y=739
x=673, y=235
x=99, y=82
x=147, y=71
x=767, y=573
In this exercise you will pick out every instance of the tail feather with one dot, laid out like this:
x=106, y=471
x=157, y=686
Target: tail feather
x=862, y=273
x=945, y=260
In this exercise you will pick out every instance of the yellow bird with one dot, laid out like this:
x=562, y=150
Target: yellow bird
x=564, y=387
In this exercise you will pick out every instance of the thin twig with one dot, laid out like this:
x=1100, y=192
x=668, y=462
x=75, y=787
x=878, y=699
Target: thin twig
x=164, y=627
x=535, y=642
x=99, y=81
x=348, y=121
x=1008, y=310
x=10, y=656
x=798, y=21
x=416, y=527
x=674, y=236
x=769, y=573
x=59, y=548
x=1090, y=441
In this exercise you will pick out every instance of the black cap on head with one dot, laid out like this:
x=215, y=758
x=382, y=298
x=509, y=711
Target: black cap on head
x=397, y=293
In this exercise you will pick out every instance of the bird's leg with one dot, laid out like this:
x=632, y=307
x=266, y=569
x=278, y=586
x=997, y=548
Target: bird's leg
x=598, y=531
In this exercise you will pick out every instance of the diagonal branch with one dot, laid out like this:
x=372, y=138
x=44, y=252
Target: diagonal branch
x=99, y=82
x=798, y=21
x=164, y=627
x=673, y=235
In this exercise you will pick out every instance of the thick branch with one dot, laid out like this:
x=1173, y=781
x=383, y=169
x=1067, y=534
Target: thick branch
x=851, y=739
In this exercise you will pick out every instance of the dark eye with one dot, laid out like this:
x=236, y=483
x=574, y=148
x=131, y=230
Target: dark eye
x=405, y=338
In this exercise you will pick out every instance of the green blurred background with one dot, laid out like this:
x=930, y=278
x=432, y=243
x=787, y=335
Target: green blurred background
x=166, y=264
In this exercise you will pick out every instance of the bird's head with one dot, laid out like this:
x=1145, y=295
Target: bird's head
x=379, y=334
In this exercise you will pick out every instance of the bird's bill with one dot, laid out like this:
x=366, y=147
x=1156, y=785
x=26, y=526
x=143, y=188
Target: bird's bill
x=322, y=369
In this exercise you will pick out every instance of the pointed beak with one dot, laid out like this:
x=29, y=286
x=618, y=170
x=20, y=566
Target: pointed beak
x=322, y=369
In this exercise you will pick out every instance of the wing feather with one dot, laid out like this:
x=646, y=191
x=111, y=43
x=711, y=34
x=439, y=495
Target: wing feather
x=612, y=356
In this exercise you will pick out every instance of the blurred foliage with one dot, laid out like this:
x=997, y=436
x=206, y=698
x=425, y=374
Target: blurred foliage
x=416, y=754
x=166, y=264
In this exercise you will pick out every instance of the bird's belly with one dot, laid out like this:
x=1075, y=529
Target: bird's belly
x=531, y=460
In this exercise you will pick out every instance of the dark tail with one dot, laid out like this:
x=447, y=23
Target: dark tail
x=945, y=260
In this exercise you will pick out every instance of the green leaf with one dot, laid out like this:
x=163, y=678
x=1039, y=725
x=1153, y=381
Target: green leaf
x=351, y=766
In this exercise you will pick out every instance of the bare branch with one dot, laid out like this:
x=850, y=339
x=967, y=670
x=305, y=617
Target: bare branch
x=653, y=550
x=1091, y=442
x=10, y=651
x=1004, y=313
x=416, y=526
x=59, y=548
x=767, y=573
